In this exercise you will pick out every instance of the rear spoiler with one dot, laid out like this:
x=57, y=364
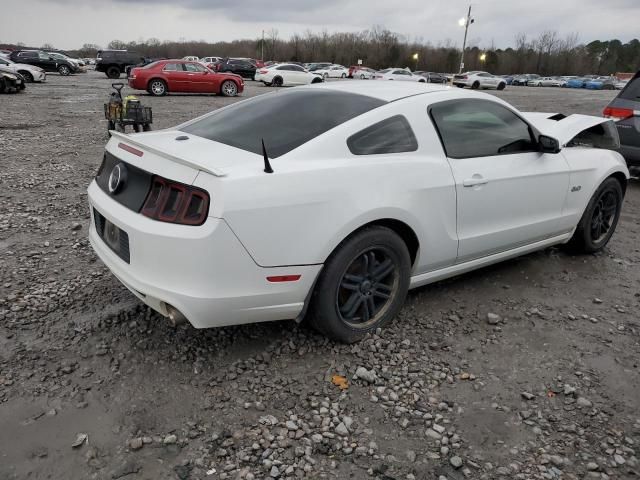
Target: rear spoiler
x=598, y=132
x=139, y=142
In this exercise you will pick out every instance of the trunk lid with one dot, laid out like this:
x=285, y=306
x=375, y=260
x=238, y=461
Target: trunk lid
x=191, y=151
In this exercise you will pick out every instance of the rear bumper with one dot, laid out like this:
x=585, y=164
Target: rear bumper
x=204, y=272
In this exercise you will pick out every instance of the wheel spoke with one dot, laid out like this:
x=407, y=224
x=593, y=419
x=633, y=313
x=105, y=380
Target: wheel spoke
x=354, y=278
x=366, y=313
x=350, y=308
x=382, y=270
x=347, y=285
x=381, y=293
x=371, y=306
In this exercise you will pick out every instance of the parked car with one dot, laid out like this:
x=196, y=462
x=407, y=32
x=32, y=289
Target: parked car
x=11, y=81
x=432, y=77
x=523, y=80
x=625, y=111
x=601, y=83
x=546, y=82
x=400, y=74
x=30, y=73
x=333, y=71
x=285, y=75
x=78, y=64
x=243, y=68
x=191, y=58
x=114, y=62
x=208, y=60
x=577, y=82
x=242, y=244
x=319, y=65
x=478, y=79
x=44, y=61
x=181, y=76
x=363, y=73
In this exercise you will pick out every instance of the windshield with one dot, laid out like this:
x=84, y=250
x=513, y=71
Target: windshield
x=285, y=120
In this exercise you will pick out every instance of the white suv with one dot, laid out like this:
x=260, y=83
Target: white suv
x=477, y=80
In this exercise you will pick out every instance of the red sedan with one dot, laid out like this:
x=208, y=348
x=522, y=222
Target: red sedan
x=160, y=78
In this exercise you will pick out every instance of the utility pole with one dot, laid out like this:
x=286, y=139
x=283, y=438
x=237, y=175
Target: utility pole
x=262, y=48
x=467, y=22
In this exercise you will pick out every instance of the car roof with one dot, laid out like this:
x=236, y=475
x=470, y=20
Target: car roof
x=387, y=91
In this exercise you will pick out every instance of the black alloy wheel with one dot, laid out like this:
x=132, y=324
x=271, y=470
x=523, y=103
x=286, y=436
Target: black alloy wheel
x=600, y=218
x=367, y=286
x=362, y=285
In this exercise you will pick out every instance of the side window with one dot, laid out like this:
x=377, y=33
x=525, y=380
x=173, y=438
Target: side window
x=44, y=56
x=193, y=67
x=297, y=68
x=480, y=128
x=283, y=67
x=632, y=90
x=172, y=67
x=393, y=135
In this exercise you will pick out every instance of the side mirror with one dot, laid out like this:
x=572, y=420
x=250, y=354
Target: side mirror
x=548, y=144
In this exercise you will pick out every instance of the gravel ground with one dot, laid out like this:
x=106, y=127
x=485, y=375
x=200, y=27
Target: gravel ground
x=525, y=370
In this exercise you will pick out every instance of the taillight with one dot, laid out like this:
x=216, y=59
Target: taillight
x=175, y=202
x=264, y=71
x=617, y=113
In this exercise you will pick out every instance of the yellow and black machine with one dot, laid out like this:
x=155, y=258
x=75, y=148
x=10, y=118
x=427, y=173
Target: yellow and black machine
x=121, y=112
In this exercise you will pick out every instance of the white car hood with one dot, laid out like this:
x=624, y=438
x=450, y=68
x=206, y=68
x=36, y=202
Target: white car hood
x=567, y=128
x=200, y=153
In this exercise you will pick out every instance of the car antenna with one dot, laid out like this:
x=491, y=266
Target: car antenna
x=267, y=165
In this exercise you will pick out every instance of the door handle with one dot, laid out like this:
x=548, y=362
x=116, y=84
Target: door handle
x=475, y=180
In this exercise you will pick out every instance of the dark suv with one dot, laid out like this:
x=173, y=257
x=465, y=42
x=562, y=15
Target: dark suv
x=43, y=60
x=114, y=62
x=241, y=67
x=625, y=110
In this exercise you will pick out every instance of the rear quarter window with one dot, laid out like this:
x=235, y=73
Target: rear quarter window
x=632, y=90
x=393, y=135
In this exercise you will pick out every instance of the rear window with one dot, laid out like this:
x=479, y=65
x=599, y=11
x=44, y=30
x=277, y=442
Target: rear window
x=632, y=90
x=285, y=120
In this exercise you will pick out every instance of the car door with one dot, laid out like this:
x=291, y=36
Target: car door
x=48, y=62
x=175, y=76
x=298, y=75
x=509, y=193
x=196, y=80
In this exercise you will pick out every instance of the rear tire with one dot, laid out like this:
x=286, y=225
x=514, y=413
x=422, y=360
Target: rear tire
x=362, y=285
x=276, y=82
x=113, y=72
x=501, y=86
x=475, y=85
x=344, y=75
x=599, y=219
x=157, y=87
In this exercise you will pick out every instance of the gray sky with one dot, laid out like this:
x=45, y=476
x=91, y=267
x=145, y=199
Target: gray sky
x=68, y=24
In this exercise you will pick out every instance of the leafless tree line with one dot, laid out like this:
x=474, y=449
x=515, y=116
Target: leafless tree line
x=547, y=54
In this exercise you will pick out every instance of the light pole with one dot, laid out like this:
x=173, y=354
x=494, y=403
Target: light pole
x=465, y=22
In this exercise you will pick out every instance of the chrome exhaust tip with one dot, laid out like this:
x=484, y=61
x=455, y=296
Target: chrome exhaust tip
x=175, y=316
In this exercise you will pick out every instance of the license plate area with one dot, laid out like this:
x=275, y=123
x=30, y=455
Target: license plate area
x=114, y=237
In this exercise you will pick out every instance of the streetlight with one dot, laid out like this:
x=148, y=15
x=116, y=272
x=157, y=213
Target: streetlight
x=483, y=57
x=415, y=57
x=465, y=22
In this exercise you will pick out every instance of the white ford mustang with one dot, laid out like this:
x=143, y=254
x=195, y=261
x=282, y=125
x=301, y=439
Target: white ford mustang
x=266, y=210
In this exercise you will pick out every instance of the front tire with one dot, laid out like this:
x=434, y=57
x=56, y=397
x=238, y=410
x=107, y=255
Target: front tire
x=599, y=219
x=229, y=88
x=64, y=70
x=344, y=75
x=27, y=76
x=362, y=285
